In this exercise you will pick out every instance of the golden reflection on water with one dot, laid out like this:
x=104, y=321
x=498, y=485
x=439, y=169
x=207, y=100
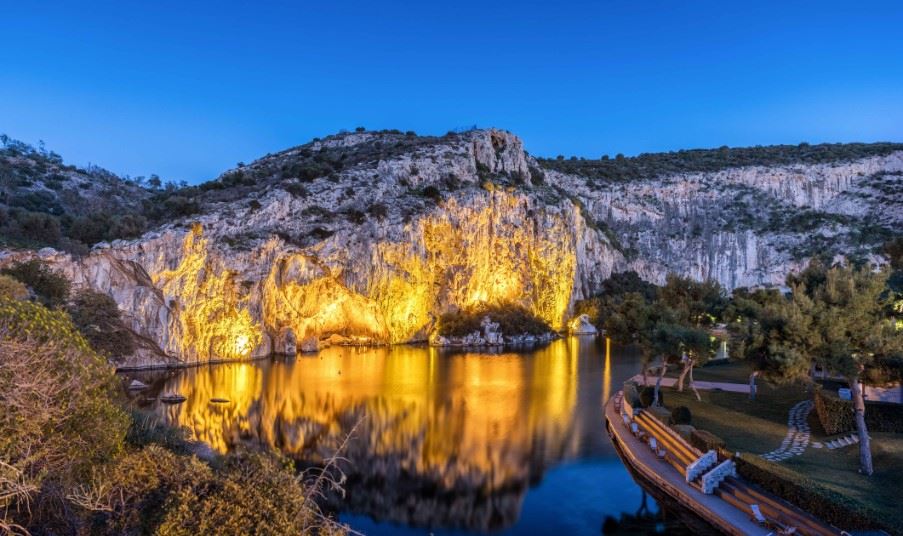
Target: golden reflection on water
x=466, y=421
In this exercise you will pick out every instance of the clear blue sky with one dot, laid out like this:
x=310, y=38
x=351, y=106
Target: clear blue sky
x=187, y=91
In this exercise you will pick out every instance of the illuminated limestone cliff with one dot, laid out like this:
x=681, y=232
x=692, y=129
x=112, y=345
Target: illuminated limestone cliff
x=368, y=255
x=368, y=237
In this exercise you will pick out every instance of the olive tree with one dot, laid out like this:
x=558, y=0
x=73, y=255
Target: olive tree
x=853, y=330
x=770, y=332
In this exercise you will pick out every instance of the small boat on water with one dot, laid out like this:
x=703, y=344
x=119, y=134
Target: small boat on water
x=219, y=400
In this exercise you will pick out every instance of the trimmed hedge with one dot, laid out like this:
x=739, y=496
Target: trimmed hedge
x=706, y=441
x=811, y=496
x=647, y=395
x=631, y=395
x=681, y=415
x=836, y=415
x=684, y=430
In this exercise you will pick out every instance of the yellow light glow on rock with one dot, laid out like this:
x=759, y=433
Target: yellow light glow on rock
x=484, y=251
x=491, y=248
x=302, y=295
x=209, y=320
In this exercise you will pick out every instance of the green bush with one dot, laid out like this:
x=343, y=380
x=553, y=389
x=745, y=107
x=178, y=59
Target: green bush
x=67, y=468
x=680, y=415
x=706, y=441
x=153, y=490
x=431, y=192
x=512, y=319
x=97, y=317
x=647, y=396
x=631, y=395
x=58, y=420
x=12, y=288
x=836, y=415
x=810, y=495
x=51, y=288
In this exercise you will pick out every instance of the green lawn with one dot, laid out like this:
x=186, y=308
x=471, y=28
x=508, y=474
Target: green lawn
x=759, y=426
x=730, y=372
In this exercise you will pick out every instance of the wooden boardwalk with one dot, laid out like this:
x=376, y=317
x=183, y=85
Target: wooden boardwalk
x=729, y=507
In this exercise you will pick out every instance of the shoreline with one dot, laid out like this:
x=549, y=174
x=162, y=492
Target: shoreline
x=488, y=348
x=710, y=508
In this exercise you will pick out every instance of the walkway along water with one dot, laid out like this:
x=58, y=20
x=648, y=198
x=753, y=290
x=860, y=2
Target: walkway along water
x=701, y=482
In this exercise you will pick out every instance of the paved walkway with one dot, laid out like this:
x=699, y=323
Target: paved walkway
x=797, y=438
x=705, y=386
x=712, y=508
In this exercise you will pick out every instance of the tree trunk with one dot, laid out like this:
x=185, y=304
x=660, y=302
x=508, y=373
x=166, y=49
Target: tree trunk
x=865, y=448
x=658, y=382
x=752, y=385
x=692, y=386
x=683, y=374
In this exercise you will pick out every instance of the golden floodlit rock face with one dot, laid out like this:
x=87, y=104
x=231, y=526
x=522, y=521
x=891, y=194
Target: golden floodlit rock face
x=400, y=229
x=240, y=282
x=488, y=251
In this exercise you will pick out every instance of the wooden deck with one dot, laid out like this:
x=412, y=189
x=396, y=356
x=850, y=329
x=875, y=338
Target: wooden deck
x=729, y=508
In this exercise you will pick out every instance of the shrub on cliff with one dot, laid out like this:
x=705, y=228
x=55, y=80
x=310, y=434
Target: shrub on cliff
x=512, y=319
x=12, y=288
x=51, y=288
x=97, y=317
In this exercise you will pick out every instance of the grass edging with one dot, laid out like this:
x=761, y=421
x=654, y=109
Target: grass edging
x=809, y=495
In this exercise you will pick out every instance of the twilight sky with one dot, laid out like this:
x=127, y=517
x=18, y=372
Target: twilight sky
x=186, y=91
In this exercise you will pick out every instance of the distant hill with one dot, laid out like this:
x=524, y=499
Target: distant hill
x=652, y=165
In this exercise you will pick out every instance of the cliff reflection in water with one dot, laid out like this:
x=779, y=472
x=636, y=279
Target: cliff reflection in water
x=443, y=440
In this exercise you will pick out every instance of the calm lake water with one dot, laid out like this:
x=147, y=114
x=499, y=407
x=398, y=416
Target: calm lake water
x=443, y=442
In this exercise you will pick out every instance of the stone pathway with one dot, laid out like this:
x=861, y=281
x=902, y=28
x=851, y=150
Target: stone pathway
x=797, y=438
x=845, y=441
x=701, y=385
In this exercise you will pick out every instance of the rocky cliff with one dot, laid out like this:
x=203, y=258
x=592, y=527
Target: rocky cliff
x=368, y=237
x=748, y=226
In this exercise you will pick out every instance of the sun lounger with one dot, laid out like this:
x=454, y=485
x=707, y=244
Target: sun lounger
x=757, y=514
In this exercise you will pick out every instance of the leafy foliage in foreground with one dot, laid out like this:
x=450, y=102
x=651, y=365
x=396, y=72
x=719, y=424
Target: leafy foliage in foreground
x=66, y=467
x=57, y=416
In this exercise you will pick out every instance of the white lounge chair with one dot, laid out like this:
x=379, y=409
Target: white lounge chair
x=757, y=514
